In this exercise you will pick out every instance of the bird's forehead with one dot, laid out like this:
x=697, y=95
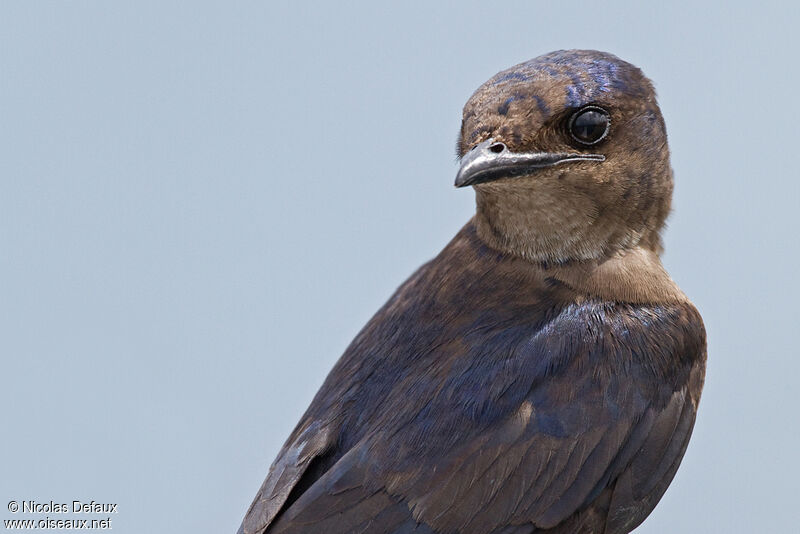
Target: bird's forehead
x=564, y=79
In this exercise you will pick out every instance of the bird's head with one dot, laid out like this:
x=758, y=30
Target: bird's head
x=568, y=155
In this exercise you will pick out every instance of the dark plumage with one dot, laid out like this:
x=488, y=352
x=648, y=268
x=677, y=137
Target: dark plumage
x=542, y=373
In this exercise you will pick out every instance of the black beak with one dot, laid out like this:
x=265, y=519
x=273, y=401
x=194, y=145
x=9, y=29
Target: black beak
x=492, y=160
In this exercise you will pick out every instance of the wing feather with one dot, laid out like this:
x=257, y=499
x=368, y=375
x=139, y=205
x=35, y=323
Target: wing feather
x=284, y=474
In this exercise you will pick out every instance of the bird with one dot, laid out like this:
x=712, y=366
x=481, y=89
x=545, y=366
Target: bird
x=542, y=373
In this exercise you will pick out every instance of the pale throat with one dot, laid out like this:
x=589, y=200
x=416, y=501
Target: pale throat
x=548, y=224
x=571, y=241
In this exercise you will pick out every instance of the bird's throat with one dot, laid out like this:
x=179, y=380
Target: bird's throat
x=548, y=225
x=571, y=243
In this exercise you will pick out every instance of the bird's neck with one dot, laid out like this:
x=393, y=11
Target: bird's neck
x=585, y=253
x=544, y=226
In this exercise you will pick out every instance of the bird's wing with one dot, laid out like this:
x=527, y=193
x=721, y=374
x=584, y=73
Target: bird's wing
x=655, y=461
x=573, y=453
x=308, y=442
x=548, y=463
x=554, y=482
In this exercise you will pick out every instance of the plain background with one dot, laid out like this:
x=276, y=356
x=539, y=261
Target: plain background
x=201, y=205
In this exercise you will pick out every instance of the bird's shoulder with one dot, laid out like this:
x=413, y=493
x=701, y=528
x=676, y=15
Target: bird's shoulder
x=538, y=426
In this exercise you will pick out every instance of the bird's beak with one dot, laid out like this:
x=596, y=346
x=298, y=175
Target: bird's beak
x=492, y=160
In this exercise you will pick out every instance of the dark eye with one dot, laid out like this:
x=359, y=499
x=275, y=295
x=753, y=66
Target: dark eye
x=589, y=125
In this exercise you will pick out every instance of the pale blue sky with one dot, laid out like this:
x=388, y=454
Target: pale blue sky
x=201, y=204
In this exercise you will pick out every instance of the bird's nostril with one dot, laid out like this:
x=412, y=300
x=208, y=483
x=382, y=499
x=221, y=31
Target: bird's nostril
x=497, y=148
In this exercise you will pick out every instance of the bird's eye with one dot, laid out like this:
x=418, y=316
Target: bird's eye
x=589, y=125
